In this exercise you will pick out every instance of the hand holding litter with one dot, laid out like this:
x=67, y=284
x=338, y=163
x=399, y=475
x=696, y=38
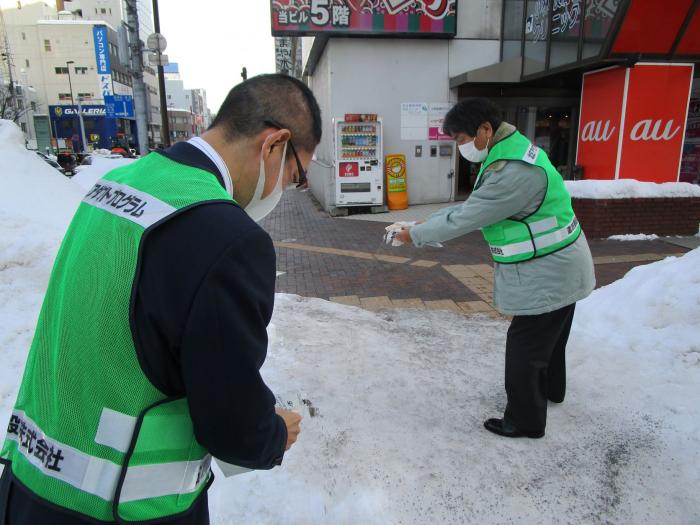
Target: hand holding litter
x=390, y=237
x=393, y=234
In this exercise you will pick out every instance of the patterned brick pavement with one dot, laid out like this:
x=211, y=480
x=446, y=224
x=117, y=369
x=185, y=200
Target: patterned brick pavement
x=347, y=262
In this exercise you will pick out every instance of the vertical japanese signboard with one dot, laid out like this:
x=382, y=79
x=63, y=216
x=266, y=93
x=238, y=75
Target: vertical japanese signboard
x=404, y=17
x=104, y=69
x=632, y=122
x=285, y=61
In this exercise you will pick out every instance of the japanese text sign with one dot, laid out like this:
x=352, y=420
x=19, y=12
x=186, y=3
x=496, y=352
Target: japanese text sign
x=364, y=17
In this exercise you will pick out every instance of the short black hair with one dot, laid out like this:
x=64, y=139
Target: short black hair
x=251, y=105
x=468, y=114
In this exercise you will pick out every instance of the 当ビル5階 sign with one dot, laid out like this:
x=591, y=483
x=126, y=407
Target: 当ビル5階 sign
x=364, y=17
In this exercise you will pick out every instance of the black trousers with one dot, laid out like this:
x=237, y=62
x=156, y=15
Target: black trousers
x=536, y=366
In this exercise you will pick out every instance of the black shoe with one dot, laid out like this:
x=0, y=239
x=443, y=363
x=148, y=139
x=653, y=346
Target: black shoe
x=503, y=428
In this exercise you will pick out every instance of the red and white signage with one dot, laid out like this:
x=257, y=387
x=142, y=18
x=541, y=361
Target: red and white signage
x=349, y=169
x=602, y=100
x=633, y=121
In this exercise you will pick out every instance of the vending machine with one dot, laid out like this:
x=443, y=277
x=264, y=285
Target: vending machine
x=359, y=169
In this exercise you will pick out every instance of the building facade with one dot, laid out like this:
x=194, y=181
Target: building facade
x=43, y=36
x=74, y=66
x=529, y=56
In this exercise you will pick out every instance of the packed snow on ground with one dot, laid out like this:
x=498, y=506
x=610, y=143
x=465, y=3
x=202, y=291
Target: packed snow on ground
x=634, y=237
x=402, y=395
x=89, y=174
x=628, y=188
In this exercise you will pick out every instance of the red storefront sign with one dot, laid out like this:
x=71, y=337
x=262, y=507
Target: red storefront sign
x=655, y=119
x=602, y=100
x=632, y=122
x=349, y=169
x=368, y=17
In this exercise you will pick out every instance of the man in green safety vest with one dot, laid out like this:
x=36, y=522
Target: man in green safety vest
x=145, y=360
x=543, y=264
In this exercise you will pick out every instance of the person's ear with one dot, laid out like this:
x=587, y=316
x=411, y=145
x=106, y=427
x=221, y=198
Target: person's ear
x=277, y=139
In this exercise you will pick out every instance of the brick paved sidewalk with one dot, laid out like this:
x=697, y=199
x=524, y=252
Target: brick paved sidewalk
x=347, y=262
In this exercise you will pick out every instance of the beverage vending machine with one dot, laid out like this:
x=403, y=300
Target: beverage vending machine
x=359, y=166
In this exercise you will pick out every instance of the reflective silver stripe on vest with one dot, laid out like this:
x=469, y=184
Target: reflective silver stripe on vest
x=115, y=430
x=545, y=241
x=543, y=225
x=99, y=476
x=129, y=203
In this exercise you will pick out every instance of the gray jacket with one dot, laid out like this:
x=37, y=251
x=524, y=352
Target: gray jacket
x=545, y=284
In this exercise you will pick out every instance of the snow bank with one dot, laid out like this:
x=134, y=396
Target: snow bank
x=628, y=188
x=634, y=237
x=88, y=175
x=402, y=396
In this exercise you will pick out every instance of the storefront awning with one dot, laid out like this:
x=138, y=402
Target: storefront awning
x=648, y=30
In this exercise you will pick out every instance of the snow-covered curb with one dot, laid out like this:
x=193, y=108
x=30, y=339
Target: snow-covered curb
x=629, y=189
x=634, y=237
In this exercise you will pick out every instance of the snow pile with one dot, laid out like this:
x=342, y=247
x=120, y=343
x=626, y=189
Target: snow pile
x=38, y=202
x=88, y=175
x=402, y=395
x=629, y=189
x=634, y=237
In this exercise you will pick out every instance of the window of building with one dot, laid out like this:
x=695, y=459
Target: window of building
x=47, y=45
x=23, y=125
x=81, y=70
x=26, y=62
x=24, y=36
x=103, y=11
x=20, y=104
x=85, y=95
x=61, y=70
x=512, y=28
x=64, y=96
x=96, y=11
x=565, y=29
x=536, y=36
x=596, y=26
x=33, y=106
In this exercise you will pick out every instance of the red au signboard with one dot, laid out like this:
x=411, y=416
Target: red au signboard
x=633, y=122
x=364, y=17
x=600, y=122
x=655, y=119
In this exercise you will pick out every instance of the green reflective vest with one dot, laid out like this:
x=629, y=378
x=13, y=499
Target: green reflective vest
x=89, y=432
x=549, y=229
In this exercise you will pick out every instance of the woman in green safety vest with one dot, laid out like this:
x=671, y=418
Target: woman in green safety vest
x=543, y=264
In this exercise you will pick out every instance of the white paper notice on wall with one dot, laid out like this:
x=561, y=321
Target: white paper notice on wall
x=414, y=121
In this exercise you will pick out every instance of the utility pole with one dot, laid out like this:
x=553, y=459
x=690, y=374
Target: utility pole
x=8, y=56
x=165, y=127
x=139, y=86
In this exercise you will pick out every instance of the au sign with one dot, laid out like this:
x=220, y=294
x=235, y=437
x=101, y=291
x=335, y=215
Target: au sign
x=633, y=120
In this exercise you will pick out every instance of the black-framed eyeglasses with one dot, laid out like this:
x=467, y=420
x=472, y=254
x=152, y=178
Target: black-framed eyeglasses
x=300, y=169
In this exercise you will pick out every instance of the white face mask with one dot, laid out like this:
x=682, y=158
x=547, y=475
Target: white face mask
x=259, y=208
x=470, y=152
